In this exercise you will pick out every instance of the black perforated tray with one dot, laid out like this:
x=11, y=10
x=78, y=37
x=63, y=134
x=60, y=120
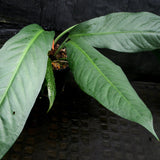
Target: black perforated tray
x=79, y=128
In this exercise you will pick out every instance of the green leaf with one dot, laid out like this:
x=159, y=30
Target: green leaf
x=51, y=86
x=102, y=79
x=125, y=32
x=23, y=62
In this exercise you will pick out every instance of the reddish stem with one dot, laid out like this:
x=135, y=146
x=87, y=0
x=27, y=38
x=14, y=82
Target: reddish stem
x=53, y=45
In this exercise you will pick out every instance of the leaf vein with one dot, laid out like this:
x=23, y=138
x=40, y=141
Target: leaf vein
x=101, y=73
x=109, y=33
x=20, y=62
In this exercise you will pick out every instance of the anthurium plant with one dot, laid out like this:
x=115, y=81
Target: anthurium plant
x=25, y=64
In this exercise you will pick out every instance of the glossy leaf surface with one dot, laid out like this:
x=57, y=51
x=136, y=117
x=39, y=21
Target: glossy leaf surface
x=105, y=81
x=50, y=82
x=125, y=32
x=23, y=62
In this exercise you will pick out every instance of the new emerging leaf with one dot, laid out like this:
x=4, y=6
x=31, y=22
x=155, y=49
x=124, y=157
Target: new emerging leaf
x=50, y=82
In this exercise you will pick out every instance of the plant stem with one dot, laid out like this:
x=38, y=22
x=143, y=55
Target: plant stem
x=60, y=61
x=60, y=47
x=63, y=33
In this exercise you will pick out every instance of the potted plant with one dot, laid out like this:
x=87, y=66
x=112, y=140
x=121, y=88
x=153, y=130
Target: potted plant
x=25, y=63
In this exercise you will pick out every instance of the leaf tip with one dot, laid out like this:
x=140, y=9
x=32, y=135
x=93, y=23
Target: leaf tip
x=49, y=108
x=151, y=130
x=157, y=137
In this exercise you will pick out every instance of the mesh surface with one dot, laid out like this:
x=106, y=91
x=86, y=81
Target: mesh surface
x=79, y=128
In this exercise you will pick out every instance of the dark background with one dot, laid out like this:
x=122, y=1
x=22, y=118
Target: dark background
x=60, y=14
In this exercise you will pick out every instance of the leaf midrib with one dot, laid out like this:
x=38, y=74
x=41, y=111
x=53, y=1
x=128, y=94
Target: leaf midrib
x=109, y=33
x=20, y=62
x=105, y=77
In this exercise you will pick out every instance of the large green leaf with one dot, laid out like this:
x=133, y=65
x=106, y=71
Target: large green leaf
x=102, y=79
x=23, y=62
x=125, y=32
x=51, y=86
